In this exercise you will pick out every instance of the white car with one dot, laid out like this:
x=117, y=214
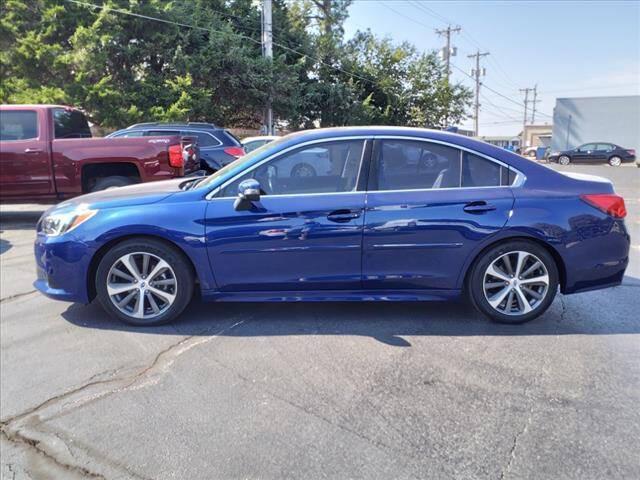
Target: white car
x=251, y=143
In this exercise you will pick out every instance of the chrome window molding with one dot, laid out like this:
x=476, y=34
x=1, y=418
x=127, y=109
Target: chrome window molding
x=518, y=181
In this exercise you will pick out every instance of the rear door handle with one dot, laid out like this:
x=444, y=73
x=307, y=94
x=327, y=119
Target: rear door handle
x=479, y=207
x=343, y=216
x=32, y=150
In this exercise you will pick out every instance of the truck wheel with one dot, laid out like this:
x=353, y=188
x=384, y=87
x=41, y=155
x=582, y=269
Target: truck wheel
x=144, y=282
x=111, y=182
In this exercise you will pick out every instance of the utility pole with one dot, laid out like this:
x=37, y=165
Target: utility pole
x=476, y=73
x=524, y=122
x=534, y=101
x=267, y=52
x=447, y=50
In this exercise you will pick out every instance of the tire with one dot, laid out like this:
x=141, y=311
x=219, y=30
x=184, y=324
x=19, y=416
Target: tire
x=112, y=182
x=303, y=170
x=564, y=160
x=532, y=154
x=615, y=161
x=480, y=284
x=177, y=268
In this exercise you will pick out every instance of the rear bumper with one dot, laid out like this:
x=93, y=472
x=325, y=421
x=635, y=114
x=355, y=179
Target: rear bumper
x=62, y=267
x=599, y=257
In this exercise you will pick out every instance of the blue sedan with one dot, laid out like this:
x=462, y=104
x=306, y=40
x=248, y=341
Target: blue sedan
x=367, y=213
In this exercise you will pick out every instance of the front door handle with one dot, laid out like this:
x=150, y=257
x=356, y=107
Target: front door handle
x=479, y=207
x=343, y=216
x=32, y=150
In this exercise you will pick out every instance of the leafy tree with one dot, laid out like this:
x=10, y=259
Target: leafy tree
x=123, y=69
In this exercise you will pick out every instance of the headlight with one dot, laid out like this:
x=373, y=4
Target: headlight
x=59, y=223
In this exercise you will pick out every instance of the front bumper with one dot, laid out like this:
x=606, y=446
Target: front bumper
x=62, y=267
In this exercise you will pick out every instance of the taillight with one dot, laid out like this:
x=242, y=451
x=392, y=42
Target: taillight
x=234, y=151
x=631, y=151
x=175, y=156
x=608, y=203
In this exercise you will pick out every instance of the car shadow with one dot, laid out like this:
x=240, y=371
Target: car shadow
x=388, y=323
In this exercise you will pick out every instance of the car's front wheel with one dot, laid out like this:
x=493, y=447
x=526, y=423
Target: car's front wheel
x=513, y=282
x=144, y=282
x=564, y=160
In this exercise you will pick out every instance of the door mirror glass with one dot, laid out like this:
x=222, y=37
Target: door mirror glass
x=248, y=192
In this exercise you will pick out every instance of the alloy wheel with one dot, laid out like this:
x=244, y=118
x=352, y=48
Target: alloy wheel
x=564, y=160
x=615, y=161
x=516, y=283
x=142, y=285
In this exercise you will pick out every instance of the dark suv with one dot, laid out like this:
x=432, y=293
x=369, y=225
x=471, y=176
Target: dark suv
x=218, y=146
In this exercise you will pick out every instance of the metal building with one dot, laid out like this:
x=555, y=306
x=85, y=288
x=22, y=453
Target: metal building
x=596, y=119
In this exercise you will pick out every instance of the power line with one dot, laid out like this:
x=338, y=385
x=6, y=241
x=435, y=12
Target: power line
x=211, y=30
x=406, y=16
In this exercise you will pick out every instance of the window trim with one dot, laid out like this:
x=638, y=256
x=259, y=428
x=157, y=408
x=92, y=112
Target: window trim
x=367, y=162
x=517, y=182
x=363, y=161
x=38, y=130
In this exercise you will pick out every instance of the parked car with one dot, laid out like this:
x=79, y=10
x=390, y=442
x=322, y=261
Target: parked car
x=47, y=153
x=251, y=143
x=598, y=152
x=218, y=147
x=479, y=221
x=530, y=152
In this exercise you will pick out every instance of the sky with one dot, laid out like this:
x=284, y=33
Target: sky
x=567, y=48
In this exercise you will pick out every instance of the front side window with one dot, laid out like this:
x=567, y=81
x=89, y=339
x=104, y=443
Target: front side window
x=588, y=147
x=415, y=165
x=70, y=123
x=329, y=167
x=18, y=125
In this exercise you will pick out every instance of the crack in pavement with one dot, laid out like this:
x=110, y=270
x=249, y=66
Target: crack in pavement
x=17, y=295
x=514, y=446
x=20, y=429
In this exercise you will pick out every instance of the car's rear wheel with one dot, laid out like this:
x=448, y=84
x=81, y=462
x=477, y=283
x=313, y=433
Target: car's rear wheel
x=615, y=161
x=144, y=282
x=564, y=160
x=532, y=153
x=513, y=282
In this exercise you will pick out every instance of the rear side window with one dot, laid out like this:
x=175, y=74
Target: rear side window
x=70, y=123
x=137, y=133
x=233, y=138
x=415, y=165
x=18, y=125
x=480, y=172
x=605, y=147
x=161, y=133
x=204, y=139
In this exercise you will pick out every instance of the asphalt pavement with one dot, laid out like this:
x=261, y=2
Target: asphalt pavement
x=332, y=390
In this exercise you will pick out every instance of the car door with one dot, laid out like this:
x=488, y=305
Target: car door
x=428, y=206
x=602, y=152
x=25, y=164
x=584, y=153
x=304, y=233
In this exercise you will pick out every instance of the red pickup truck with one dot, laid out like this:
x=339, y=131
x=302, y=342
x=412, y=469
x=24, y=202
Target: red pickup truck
x=47, y=153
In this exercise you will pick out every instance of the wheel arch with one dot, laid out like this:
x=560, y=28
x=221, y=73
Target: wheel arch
x=102, y=251
x=474, y=258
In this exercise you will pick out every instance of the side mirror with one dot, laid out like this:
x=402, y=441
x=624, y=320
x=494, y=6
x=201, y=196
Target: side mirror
x=248, y=192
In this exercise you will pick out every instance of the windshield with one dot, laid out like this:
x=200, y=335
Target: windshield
x=239, y=164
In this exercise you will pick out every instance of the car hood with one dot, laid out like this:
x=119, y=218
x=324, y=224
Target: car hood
x=139, y=194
